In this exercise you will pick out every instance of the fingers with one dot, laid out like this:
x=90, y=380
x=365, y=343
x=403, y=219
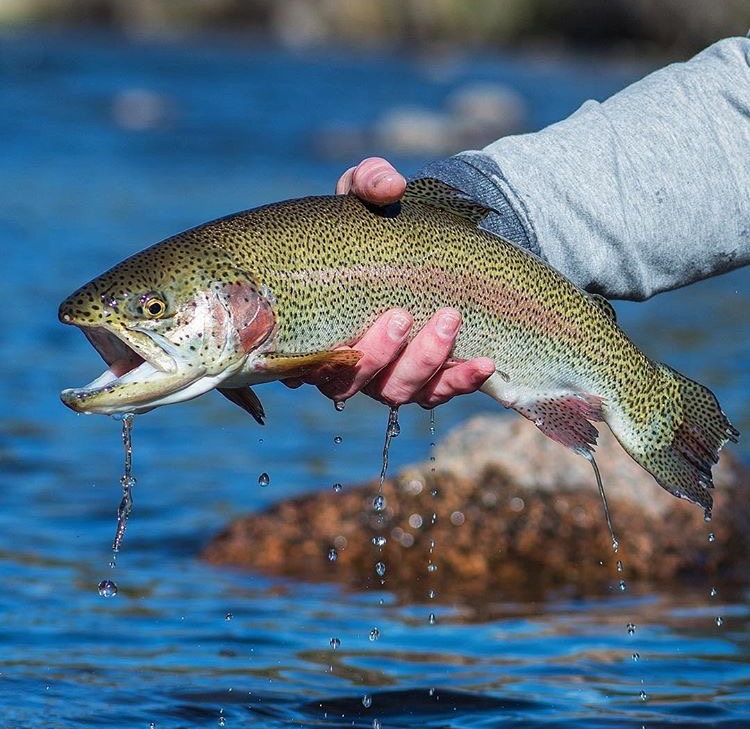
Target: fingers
x=380, y=344
x=403, y=378
x=374, y=180
x=459, y=379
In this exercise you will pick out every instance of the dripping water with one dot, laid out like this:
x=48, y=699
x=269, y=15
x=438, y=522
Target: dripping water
x=108, y=588
x=392, y=430
x=127, y=482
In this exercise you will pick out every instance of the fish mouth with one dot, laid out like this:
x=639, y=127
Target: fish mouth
x=140, y=373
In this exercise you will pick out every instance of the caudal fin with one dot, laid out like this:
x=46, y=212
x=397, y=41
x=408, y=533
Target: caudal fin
x=699, y=431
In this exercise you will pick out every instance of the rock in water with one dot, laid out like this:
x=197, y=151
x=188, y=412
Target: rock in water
x=515, y=514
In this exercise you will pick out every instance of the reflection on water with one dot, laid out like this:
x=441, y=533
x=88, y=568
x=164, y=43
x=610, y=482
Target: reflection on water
x=87, y=178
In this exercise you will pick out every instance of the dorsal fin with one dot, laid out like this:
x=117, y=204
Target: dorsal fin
x=604, y=306
x=434, y=192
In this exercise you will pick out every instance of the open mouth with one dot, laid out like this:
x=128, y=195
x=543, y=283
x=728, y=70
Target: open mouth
x=137, y=361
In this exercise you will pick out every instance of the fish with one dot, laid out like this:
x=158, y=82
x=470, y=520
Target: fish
x=281, y=291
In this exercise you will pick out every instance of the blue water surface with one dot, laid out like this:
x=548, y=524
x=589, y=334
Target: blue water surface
x=228, y=124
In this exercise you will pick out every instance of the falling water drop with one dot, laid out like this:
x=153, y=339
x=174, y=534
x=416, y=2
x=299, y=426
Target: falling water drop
x=619, y=565
x=431, y=619
x=337, y=487
x=644, y=696
x=337, y=439
x=711, y=537
x=622, y=586
x=333, y=555
x=378, y=503
x=714, y=592
x=339, y=405
x=379, y=541
x=719, y=621
x=107, y=588
x=636, y=656
x=376, y=724
x=335, y=643
x=380, y=569
x=631, y=628
x=374, y=634
x=367, y=701
x=264, y=479
x=431, y=567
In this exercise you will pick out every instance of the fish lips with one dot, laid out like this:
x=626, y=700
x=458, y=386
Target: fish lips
x=141, y=374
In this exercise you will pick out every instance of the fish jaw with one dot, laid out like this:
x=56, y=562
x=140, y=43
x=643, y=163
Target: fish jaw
x=141, y=375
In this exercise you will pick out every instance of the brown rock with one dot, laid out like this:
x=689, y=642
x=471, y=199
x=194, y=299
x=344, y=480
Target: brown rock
x=505, y=510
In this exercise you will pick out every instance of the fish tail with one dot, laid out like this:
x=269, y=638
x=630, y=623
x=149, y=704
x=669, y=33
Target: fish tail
x=682, y=438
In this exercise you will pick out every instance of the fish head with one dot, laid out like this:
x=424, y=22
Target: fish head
x=171, y=323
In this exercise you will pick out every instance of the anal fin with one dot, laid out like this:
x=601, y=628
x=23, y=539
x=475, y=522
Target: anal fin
x=246, y=399
x=566, y=418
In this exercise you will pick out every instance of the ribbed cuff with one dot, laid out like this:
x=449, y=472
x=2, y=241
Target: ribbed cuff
x=481, y=179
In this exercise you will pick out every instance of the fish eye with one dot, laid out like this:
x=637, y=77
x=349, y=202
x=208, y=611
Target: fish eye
x=154, y=306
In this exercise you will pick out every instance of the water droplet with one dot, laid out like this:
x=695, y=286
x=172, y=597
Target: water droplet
x=339, y=405
x=431, y=594
x=222, y=720
x=431, y=567
x=367, y=701
x=374, y=634
x=431, y=619
x=631, y=628
x=264, y=479
x=378, y=503
x=636, y=656
x=379, y=541
x=621, y=586
x=152, y=725
x=394, y=428
x=337, y=439
x=337, y=487
x=714, y=592
x=380, y=569
x=707, y=515
x=711, y=537
x=376, y=724
x=615, y=546
x=228, y=616
x=335, y=643
x=619, y=565
x=719, y=621
x=333, y=555
x=431, y=692
x=644, y=696
x=107, y=588
x=260, y=441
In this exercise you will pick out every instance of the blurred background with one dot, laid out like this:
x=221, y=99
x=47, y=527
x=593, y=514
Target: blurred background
x=123, y=122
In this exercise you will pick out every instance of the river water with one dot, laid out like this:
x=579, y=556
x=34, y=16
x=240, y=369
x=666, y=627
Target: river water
x=110, y=144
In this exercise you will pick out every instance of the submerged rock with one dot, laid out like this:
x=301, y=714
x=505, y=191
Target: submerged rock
x=502, y=508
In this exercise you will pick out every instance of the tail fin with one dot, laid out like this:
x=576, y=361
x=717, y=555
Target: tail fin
x=700, y=431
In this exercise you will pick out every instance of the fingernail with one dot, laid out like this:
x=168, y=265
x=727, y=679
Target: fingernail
x=398, y=326
x=447, y=326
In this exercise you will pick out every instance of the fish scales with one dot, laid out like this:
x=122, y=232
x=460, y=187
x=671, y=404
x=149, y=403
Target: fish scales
x=273, y=292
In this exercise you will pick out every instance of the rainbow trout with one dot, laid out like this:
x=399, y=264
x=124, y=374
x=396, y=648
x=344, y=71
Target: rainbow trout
x=272, y=293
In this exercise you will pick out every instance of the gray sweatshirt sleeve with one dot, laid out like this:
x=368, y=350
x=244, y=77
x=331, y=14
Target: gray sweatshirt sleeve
x=647, y=191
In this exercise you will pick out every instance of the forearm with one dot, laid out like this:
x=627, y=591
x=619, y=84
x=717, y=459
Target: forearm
x=647, y=191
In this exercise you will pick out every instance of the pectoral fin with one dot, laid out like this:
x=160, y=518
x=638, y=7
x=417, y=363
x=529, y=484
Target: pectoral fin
x=246, y=399
x=284, y=366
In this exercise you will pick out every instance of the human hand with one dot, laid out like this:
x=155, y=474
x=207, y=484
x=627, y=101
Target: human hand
x=375, y=180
